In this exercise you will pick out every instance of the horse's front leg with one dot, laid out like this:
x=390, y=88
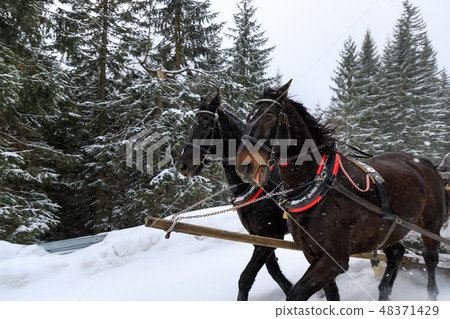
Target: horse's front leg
x=274, y=270
x=320, y=274
x=331, y=290
x=247, y=278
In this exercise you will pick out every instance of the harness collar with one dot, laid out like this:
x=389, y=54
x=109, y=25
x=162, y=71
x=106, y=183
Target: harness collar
x=316, y=189
x=249, y=195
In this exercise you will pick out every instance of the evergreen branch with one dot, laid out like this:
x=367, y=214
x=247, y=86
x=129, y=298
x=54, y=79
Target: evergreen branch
x=163, y=73
x=32, y=145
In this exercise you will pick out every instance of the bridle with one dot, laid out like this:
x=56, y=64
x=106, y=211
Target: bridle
x=207, y=161
x=282, y=120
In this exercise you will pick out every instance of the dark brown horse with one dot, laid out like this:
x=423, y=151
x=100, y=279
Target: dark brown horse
x=262, y=218
x=328, y=226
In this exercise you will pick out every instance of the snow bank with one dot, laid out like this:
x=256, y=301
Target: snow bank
x=140, y=264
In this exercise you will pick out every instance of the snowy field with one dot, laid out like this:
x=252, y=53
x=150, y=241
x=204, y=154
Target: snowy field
x=139, y=264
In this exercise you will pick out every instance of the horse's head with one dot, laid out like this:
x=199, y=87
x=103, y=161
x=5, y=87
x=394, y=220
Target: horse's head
x=260, y=147
x=204, y=128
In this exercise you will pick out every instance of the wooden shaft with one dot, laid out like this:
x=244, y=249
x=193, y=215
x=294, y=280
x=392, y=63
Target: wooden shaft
x=244, y=238
x=220, y=234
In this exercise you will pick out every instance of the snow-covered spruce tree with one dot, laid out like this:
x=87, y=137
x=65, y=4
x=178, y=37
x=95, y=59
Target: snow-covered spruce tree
x=184, y=54
x=187, y=35
x=356, y=95
x=31, y=86
x=185, y=62
x=344, y=112
x=444, y=113
x=99, y=42
x=248, y=59
x=410, y=89
x=367, y=97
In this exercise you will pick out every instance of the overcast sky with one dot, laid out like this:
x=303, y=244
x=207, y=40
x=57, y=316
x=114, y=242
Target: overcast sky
x=309, y=34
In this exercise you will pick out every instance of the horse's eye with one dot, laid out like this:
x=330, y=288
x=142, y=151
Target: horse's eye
x=268, y=117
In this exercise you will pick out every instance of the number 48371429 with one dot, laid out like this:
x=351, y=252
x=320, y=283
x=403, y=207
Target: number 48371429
x=409, y=310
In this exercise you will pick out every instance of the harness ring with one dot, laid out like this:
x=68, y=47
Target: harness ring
x=207, y=161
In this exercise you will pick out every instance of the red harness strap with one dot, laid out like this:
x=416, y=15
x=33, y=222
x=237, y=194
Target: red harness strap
x=282, y=163
x=301, y=209
x=319, y=169
x=319, y=197
x=255, y=196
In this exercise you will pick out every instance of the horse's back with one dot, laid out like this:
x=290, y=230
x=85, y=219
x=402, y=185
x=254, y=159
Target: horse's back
x=411, y=183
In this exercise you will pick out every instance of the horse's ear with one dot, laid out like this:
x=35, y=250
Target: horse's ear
x=282, y=92
x=216, y=101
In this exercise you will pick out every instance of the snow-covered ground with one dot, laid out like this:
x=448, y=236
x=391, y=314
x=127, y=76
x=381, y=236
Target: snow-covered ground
x=140, y=264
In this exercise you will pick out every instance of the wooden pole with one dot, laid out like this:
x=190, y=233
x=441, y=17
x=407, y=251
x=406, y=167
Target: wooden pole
x=250, y=239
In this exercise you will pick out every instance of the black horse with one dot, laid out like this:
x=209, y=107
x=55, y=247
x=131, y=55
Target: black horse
x=323, y=220
x=262, y=218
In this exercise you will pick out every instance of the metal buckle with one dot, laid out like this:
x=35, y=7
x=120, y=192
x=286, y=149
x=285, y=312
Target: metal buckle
x=271, y=162
x=207, y=161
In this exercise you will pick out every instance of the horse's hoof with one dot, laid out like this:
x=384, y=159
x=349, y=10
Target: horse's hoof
x=432, y=298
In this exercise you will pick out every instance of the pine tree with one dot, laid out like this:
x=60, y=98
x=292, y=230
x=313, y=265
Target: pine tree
x=31, y=86
x=368, y=91
x=100, y=42
x=411, y=87
x=344, y=107
x=443, y=114
x=249, y=58
x=397, y=104
x=188, y=35
x=114, y=98
x=184, y=63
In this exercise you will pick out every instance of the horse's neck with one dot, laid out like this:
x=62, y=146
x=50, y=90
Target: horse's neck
x=231, y=130
x=303, y=169
x=295, y=174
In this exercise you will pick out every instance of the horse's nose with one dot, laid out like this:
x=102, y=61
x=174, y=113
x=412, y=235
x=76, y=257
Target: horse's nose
x=244, y=171
x=182, y=168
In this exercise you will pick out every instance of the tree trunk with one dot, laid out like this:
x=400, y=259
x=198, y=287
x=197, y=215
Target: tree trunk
x=103, y=52
x=177, y=37
x=101, y=118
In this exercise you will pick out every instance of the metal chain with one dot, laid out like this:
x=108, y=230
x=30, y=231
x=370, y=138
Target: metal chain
x=268, y=195
x=177, y=217
x=205, y=200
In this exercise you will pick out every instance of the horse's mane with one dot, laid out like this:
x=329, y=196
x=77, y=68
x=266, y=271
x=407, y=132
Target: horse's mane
x=232, y=121
x=321, y=133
